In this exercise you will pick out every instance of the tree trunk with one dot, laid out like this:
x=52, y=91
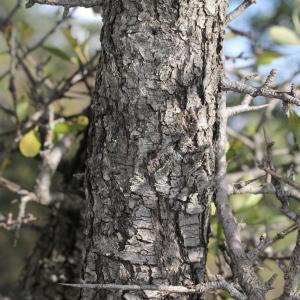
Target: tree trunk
x=153, y=144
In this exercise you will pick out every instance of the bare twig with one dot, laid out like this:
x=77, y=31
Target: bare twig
x=235, y=110
x=292, y=274
x=252, y=189
x=66, y=3
x=280, y=192
x=241, y=56
x=237, y=135
x=282, y=178
x=12, y=85
x=240, y=9
x=220, y=283
x=21, y=216
x=266, y=188
x=242, y=266
x=51, y=159
x=10, y=224
x=241, y=33
x=17, y=189
x=10, y=14
x=270, y=78
x=243, y=88
x=266, y=242
x=37, y=45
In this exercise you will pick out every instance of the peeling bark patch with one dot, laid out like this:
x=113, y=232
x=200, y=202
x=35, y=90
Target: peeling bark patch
x=154, y=135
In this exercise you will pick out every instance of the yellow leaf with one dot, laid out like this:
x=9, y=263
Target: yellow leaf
x=83, y=121
x=213, y=209
x=30, y=144
x=4, y=164
x=283, y=35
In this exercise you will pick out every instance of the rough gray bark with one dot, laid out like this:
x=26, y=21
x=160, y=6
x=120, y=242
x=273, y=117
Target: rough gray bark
x=153, y=144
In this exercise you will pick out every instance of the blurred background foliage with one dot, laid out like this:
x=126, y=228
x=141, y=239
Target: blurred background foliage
x=67, y=45
x=266, y=36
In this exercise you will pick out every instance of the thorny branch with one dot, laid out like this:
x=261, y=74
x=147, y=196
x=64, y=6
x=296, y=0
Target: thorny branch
x=241, y=260
x=220, y=283
x=240, y=87
x=266, y=242
x=9, y=223
x=232, y=111
x=242, y=266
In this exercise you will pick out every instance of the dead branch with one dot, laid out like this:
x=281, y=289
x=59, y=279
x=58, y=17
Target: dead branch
x=17, y=189
x=240, y=87
x=239, y=10
x=242, y=266
x=292, y=273
x=66, y=3
x=51, y=159
x=220, y=283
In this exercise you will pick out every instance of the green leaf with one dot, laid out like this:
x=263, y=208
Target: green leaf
x=4, y=164
x=229, y=35
x=213, y=209
x=4, y=84
x=82, y=121
x=22, y=108
x=243, y=202
x=62, y=128
x=233, y=148
x=58, y=52
x=283, y=35
x=30, y=144
x=85, y=48
x=266, y=57
x=252, y=200
x=79, y=123
x=294, y=126
x=25, y=31
x=76, y=124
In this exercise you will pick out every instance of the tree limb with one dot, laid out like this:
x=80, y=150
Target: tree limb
x=240, y=87
x=240, y=9
x=17, y=189
x=242, y=266
x=284, y=179
x=266, y=242
x=235, y=110
x=51, y=159
x=220, y=283
x=66, y=3
x=292, y=273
